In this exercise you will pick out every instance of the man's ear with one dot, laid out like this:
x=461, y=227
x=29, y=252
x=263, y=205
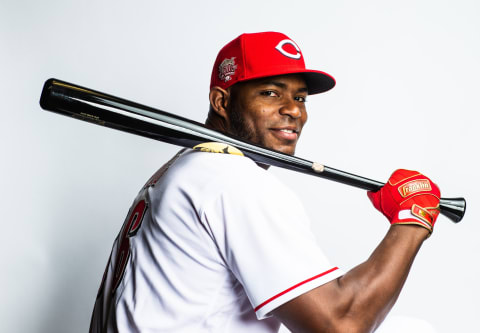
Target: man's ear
x=219, y=99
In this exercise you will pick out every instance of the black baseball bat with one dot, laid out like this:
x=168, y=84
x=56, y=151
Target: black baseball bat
x=110, y=111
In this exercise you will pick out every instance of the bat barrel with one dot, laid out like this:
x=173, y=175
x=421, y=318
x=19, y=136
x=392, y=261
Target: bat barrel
x=110, y=111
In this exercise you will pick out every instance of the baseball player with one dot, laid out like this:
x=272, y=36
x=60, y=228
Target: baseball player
x=215, y=243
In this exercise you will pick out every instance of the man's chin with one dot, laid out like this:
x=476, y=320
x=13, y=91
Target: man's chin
x=284, y=149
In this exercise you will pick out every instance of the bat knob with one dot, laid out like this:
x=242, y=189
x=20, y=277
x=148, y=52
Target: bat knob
x=453, y=208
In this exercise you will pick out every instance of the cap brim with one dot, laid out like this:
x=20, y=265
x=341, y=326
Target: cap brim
x=318, y=82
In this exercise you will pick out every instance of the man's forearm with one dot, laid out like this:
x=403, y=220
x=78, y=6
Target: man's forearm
x=374, y=285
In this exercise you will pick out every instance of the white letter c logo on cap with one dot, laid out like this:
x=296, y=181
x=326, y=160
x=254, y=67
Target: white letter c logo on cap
x=280, y=45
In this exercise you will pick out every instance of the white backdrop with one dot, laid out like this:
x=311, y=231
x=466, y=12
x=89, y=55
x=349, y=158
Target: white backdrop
x=406, y=96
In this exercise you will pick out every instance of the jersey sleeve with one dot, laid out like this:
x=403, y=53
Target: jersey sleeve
x=264, y=236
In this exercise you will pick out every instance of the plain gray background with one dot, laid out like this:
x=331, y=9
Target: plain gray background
x=406, y=96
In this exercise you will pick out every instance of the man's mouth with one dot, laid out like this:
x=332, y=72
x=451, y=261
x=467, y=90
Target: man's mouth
x=287, y=131
x=289, y=134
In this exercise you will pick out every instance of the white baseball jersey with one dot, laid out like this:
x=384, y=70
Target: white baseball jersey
x=212, y=243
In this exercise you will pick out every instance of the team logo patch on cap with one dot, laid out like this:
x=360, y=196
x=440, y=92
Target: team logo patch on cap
x=226, y=69
x=280, y=48
x=414, y=186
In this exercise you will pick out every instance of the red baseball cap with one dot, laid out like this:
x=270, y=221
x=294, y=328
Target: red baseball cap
x=263, y=54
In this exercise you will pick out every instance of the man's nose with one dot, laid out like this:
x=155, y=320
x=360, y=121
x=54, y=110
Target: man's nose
x=291, y=108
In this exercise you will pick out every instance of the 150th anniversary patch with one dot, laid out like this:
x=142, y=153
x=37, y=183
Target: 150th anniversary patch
x=226, y=69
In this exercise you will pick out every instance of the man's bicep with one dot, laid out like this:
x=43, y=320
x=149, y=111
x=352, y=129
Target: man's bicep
x=313, y=311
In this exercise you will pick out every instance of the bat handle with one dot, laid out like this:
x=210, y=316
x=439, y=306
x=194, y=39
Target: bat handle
x=453, y=208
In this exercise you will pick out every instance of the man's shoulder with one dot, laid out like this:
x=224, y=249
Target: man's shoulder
x=218, y=163
x=225, y=170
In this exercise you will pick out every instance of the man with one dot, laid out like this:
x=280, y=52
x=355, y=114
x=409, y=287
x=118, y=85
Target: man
x=215, y=243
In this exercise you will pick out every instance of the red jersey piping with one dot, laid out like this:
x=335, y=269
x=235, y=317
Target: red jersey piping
x=293, y=287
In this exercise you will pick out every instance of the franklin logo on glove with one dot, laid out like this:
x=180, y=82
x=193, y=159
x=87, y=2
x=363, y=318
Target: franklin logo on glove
x=414, y=187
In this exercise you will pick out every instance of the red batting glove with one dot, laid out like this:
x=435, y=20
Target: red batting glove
x=408, y=198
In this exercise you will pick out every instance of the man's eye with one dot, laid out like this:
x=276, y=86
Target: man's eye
x=301, y=99
x=269, y=93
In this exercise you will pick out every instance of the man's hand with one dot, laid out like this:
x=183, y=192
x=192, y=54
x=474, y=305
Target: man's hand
x=408, y=198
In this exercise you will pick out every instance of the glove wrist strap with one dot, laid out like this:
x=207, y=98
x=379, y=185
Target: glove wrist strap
x=416, y=215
